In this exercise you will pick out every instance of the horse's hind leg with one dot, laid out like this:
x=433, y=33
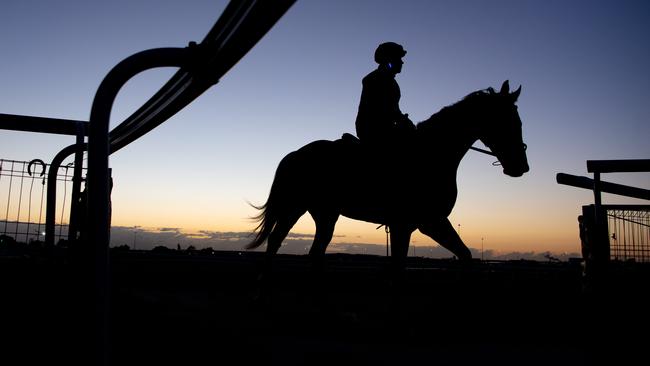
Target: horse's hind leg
x=277, y=235
x=281, y=230
x=273, y=243
x=443, y=232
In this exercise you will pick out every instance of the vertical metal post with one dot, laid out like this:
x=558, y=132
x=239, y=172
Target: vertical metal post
x=601, y=245
x=98, y=182
x=597, y=190
x=73, y=227
x=597, y=267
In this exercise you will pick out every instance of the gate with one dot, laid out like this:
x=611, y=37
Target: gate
x=612, y=231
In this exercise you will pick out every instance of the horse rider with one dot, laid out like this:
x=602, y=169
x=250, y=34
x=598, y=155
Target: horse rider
x=380, y=123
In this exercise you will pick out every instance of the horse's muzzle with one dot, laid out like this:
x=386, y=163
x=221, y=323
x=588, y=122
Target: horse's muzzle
x=517, y=172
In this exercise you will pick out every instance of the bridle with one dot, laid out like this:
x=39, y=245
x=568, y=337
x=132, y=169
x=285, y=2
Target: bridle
x=488, y=152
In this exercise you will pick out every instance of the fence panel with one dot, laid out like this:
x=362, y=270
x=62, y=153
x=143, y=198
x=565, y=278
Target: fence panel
x=23, y=200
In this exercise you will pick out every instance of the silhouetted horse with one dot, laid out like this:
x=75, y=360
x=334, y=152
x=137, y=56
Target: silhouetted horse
x=332, y=178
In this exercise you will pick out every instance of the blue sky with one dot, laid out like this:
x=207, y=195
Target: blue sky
x=582, y=66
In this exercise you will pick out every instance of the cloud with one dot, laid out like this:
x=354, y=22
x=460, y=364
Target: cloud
x=165, y=229
x=227, y=235
x=300, y=236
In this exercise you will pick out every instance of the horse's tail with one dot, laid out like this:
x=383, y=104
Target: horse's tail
x=266, y=223
x=268, y=218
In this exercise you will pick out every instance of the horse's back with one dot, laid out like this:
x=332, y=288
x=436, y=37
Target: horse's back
x=339, y=151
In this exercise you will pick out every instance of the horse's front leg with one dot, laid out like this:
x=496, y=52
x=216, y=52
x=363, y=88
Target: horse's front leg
x=444, y=234
x=400, y=237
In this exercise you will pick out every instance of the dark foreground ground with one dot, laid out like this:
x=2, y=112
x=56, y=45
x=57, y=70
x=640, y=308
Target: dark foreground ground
x=181, y=309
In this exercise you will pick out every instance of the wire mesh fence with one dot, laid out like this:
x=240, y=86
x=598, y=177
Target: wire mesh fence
x=629, y=232
x=23, y=200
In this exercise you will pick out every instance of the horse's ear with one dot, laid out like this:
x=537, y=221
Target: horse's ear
x=505, y=87
x=515, y=94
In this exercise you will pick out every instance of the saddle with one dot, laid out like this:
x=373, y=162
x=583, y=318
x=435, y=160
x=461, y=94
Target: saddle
x=397, y=160
x=399, y=152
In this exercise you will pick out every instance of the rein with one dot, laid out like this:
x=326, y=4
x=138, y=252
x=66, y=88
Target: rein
x=482, y=150
x=486, y=152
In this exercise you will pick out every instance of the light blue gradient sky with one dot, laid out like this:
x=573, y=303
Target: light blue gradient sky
x=583, y=67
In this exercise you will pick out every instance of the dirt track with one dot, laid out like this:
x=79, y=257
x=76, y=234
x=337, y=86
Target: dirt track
x=175, y=308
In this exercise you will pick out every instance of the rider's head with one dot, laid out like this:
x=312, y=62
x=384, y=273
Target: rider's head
x=389, y=55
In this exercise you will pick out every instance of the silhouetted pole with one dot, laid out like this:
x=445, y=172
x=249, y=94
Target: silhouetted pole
x=387, y=240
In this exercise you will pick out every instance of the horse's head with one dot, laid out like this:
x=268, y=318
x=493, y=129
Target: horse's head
x=503, y=132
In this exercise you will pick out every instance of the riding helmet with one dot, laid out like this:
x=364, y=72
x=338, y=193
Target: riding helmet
x=389, y=51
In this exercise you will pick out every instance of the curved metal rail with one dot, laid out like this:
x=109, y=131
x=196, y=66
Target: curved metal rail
x=240, y=27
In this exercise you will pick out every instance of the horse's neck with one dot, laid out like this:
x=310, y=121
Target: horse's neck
x=449, y=137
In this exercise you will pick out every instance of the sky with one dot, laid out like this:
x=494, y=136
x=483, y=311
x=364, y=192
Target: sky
x=582, y=66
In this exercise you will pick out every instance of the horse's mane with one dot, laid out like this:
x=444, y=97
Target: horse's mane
x=468, y=103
